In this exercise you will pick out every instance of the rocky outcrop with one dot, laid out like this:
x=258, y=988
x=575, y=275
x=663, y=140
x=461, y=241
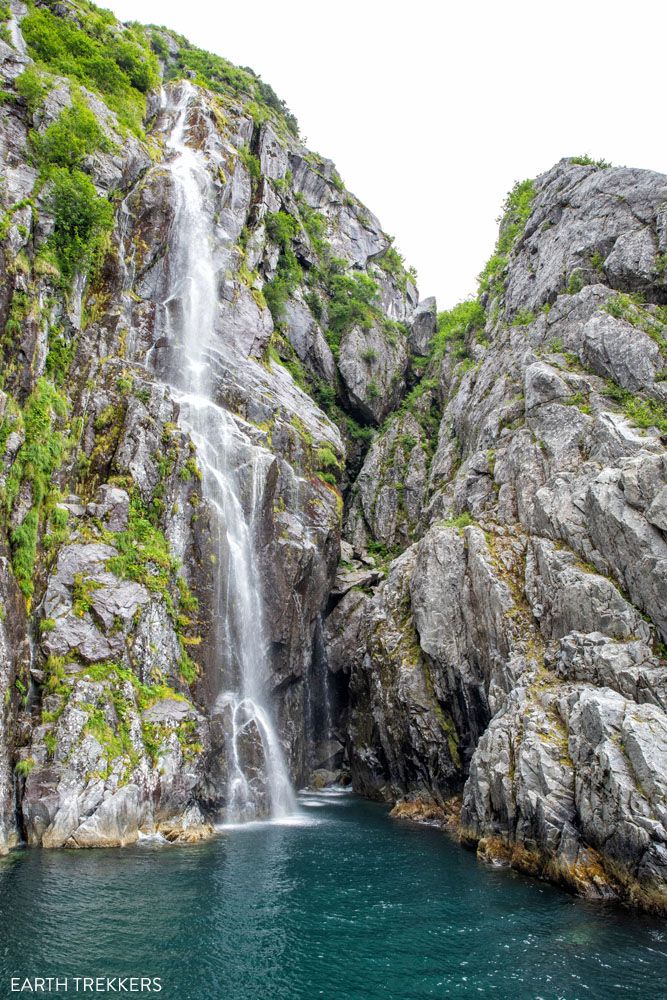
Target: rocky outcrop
x=535, y=558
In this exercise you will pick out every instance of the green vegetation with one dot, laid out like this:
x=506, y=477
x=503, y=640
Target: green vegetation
x=631, y=308
x=33, y=85
x=38, y=459
x=587, y=161
x=575, y=283
x=516, y=210
x=393, y=263
x=641, y=412
x=112, y=60
x=580, y=400
x=252, y=165
x=459, y=522
x=421, y=402
x=83, y=590
x=597, y=262
x=523, y=317
x=454, y=325
x=382, y=553
x=83, y=222
x=5, y=15
x=282, y=228
x=112, y=730
x=326, y=460
x=144, y=555
x=315, y=225
x=75, y=134
x=83, y=219
x=24, y=767
x=280, y=350
x=353, y=302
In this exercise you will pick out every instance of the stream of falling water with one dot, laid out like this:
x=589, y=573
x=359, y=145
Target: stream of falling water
x=233, y=469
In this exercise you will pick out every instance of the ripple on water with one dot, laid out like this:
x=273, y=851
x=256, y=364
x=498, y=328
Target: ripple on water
x=336, y=902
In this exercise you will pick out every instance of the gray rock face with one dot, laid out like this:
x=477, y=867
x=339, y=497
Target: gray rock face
x=600, y=223
x=560, y=777
x=566, y=596
x=630, y=668
x=373, y=369
x=536, y=563
x=400, y=737
x=422, y=326
x=390, y=491
x=83, y=792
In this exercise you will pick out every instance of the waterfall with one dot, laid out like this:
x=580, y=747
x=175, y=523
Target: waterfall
x=233, y=473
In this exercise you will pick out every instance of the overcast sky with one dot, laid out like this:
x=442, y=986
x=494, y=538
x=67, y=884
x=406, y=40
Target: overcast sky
x=431, y=110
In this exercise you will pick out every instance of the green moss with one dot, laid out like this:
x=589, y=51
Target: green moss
x=60, y=355
x=144, y=555
x=282, y=228
x=112, y=729
x=36, y=463
x=459, y=522
x=326, y=460
x=188, y=669
x=25, y=767
x=252, y=165
x=523, y=317
x=83, y=589
x=51, y=744
x=444, y=719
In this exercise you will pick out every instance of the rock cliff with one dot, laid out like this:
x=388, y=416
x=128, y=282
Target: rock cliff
x=459, y=519
x=514, y=654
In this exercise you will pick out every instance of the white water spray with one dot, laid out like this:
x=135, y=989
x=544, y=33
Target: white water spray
x=233, y=469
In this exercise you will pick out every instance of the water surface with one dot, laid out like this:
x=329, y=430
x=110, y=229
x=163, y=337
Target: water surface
x=346, y=905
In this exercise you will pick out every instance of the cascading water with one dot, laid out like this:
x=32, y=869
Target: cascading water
x=233, y=471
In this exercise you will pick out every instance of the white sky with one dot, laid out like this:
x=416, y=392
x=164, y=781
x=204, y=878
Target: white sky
x=431, y=110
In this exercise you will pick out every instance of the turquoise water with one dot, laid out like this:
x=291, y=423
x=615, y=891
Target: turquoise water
x=348, y=905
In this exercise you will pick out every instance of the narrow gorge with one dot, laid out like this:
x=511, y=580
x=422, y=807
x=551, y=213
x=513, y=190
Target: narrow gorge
x=271, y=521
